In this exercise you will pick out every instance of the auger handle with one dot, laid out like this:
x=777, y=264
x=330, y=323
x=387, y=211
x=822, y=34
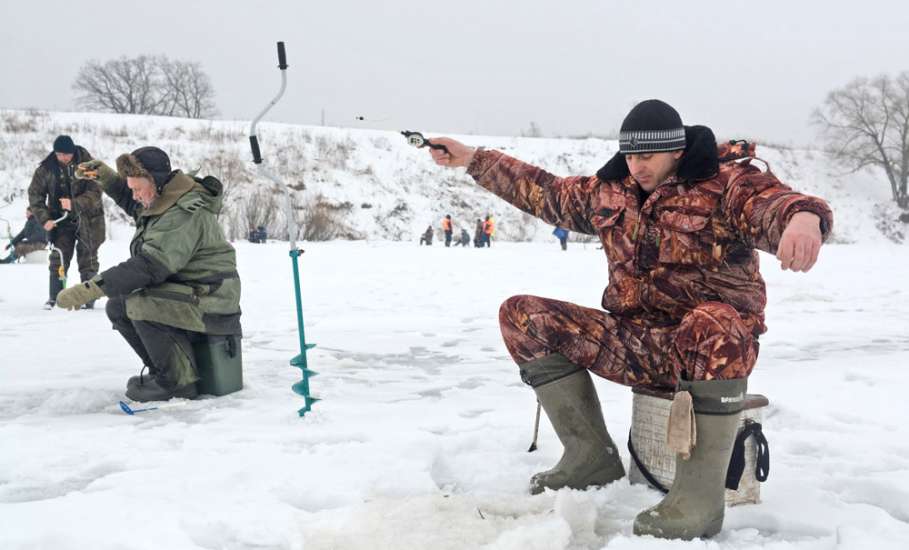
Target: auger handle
x=282, y=56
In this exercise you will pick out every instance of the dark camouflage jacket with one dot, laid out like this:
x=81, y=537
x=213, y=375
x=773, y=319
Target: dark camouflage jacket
x=52, y=181
x=691, y=241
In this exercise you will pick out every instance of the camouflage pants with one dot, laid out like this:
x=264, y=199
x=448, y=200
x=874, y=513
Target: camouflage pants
x=67, y=238
x=710, y=342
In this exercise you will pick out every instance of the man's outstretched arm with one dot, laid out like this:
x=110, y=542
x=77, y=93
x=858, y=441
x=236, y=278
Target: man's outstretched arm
x=778, y=220
x=557, y=201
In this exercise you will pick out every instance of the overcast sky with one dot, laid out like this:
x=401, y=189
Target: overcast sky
x=746, y=68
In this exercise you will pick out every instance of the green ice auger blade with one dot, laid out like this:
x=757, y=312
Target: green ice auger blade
x=308, y=407
x=300, y=361
x=301, y=388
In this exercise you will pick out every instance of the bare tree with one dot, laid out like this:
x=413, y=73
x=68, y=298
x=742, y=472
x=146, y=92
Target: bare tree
x=191, y=92
x=145, y=85
x=533, y=131
x=120, y=85
x=866, y=123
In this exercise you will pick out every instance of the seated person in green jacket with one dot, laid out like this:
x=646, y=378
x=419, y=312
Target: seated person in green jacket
x=32, y=237
x=180, y=282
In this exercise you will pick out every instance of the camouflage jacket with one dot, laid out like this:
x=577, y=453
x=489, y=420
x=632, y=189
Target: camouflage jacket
x=52, y=181
x=692, y=240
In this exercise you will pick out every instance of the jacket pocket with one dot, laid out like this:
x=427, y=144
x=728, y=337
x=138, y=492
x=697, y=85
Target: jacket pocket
x=685, y=238
x=606, y=216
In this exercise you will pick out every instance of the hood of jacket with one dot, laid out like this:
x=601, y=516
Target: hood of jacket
x=190, y=193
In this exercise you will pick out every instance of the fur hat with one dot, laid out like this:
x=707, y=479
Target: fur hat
x=146, y=162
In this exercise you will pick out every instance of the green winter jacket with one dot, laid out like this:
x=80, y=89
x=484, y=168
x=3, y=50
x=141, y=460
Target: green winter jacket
x=182, y=272
x=52, y=182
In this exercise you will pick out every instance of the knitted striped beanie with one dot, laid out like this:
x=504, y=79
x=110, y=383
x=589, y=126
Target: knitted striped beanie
x=652, y=126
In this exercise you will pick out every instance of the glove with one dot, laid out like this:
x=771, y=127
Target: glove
x=96, y=170
x=74, y=297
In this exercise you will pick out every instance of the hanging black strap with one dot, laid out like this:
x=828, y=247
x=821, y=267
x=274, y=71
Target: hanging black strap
x=737, y=462
x=643, y=469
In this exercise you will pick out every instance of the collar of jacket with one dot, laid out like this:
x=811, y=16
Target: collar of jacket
x=700, y=161
x=179, y=185
x=50, y=161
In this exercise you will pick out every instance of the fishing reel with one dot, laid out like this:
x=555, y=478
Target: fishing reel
x=417, y=140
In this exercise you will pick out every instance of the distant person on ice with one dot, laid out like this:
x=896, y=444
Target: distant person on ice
x=489, y=229
x=426, y=237
x=32, y=237
x=464, y=239
x=447, y=229
x=180, y=282
x=257, y=234
x=56, y=189
x=562, y=234
x=681, y=225
x=478, y=235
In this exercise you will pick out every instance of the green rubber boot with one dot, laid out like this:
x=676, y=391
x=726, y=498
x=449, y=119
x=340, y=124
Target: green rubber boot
x=590, y=458
x=695, y=504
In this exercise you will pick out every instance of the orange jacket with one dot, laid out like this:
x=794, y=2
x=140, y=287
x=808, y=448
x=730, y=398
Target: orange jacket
x=446, y=224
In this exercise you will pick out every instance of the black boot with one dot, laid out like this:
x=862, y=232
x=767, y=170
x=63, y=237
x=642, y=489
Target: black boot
x=141, y=378
x=150, y=390
x=55, y=286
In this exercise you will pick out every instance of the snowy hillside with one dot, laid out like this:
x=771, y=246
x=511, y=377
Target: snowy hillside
x=371, y=184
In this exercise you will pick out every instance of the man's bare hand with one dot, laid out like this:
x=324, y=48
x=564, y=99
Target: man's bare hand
x=66, y=204
x=800, y=242
x=49, y=224
x=458, y=153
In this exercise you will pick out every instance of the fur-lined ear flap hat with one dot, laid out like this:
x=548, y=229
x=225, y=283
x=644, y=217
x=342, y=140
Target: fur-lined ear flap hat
x=146, y=162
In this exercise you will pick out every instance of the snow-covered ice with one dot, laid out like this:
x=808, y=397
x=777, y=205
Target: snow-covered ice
x=421, y=439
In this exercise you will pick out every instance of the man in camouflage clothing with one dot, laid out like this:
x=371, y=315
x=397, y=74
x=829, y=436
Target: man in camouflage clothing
x=55, y=189
x=180, y=282
x=681, y=221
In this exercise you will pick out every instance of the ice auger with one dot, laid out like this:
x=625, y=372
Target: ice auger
x=301, y=387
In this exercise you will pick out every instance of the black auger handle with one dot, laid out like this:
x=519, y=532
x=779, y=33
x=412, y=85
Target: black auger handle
x=282, y=56
x=254, y=144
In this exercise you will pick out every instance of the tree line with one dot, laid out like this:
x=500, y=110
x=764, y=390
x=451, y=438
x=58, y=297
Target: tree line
x=146, y=85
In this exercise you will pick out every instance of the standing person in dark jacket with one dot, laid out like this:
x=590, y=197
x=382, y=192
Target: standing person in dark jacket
x=56, y=190
x=478, y=234
x=32, y=237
